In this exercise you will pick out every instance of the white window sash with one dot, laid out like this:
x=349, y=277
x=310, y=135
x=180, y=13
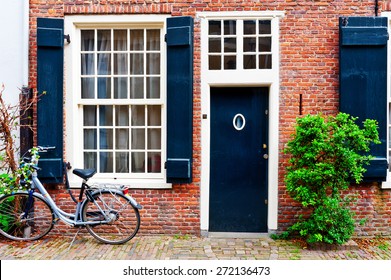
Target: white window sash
x=74, y=103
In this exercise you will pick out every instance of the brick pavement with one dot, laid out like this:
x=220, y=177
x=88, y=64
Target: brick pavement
x=164, y=247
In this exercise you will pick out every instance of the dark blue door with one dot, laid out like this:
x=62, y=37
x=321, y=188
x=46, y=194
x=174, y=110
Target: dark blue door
x=238, y=160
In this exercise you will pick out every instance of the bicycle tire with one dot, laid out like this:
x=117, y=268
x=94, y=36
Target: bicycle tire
x=126, y=218
x=13, y=225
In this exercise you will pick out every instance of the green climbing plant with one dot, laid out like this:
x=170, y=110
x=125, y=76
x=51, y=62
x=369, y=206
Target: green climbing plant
x=326, y=155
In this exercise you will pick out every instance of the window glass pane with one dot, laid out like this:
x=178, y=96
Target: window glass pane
x=389, y=114
x=136, y=64
x=153, y=40
x=106, y=115
x=121, y=88
x=153, y=63
x=120, y=64
x=106, y=138
x=136, y=88
x=230, y=62
x=122, y=162
x=87, y=64
x=249, y=44
x=90, y=160
x=265, y=27
x=249, y=27
x=120, y=40
x=136, y=40
x=104, y=40
x=87, y=40
x=106, y=162
x=138, y=115
x=154, y=115
x=265, y=44
x=87, y=88
x=249, y=62
x=214, y=27
x=122, y=115
x=138, y=162
x=214, y=62
x=122, y=138
x=154, y=138
x=104, y=88
x=90, y=139
x=265, y=61
x=154, y=162
x=214, y=45
x=138, y=138
x=89, y=113
x=153, y=87
x=389, y=166
x=229, y=27
x=389, y=137
x=230, y=45
x=123, y=64
x=104, y=64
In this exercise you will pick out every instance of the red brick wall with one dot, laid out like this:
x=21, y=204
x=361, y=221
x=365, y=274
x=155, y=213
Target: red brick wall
x=309, y=67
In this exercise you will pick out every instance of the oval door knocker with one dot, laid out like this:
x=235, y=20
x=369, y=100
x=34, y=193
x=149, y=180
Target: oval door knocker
x=239, y=122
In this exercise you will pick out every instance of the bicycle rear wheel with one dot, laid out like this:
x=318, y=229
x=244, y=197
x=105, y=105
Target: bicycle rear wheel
x=124, y=219
x=23, y=218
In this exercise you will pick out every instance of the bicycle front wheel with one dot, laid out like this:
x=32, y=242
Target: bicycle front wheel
x=117, y=221
x=24, y=218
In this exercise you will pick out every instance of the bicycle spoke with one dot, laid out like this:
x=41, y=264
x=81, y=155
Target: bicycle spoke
x=122, y=219
x=16, y=225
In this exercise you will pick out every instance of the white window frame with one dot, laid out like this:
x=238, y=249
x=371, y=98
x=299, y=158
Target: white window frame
x=73, y=109
x=241, y=77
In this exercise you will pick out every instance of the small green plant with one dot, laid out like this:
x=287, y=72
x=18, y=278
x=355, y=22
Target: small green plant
x=326, y=155
x=384, y=246
x=180, y=236
x=20, y=179
x=363, y=221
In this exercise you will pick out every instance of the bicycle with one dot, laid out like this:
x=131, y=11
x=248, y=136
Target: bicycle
x=107, y=211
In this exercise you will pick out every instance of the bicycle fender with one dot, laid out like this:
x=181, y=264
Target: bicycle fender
x=134, y=202
x=25, y=192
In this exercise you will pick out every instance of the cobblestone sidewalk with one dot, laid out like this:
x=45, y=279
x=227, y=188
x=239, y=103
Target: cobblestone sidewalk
x=164, y=247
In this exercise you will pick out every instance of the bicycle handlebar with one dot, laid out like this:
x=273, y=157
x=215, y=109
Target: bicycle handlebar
x=34, y=156
x=45, y=149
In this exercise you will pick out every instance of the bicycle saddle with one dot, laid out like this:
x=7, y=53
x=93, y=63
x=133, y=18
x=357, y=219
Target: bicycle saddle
x=84, y=173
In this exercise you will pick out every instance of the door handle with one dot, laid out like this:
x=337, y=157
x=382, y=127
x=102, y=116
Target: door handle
x=265, y=156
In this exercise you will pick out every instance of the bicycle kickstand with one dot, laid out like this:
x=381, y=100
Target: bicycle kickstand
x=74, y=238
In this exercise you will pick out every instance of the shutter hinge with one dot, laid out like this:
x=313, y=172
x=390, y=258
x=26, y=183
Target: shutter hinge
x=266, y=112
x=68, y=38
x=266, y=201
x=345, y=21
x=165, y=37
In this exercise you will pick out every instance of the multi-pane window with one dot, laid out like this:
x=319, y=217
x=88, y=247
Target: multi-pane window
x=121, y=100
x=239, y=44
x=222, y=44
x=257, y=44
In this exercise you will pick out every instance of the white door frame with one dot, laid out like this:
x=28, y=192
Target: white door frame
x=242, y=78
x=387, y=183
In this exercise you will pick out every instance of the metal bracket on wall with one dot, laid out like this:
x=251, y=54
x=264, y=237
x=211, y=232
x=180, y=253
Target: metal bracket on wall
x=68, y=38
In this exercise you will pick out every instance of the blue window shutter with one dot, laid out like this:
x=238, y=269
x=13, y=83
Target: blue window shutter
x=50, y=60
x=179, y=40
x=363, y=80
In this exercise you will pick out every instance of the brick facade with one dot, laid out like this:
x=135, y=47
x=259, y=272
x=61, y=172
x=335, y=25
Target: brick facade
x=308, y=67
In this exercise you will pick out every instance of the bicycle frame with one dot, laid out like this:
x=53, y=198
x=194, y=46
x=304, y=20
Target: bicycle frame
x=68, y=218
